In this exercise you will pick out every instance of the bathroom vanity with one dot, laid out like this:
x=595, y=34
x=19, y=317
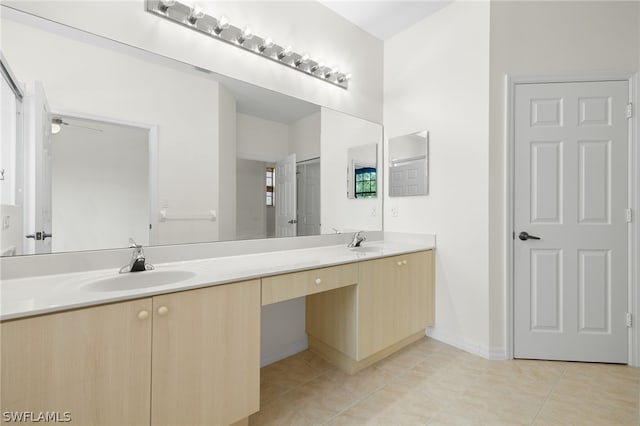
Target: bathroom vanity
x=189, y=353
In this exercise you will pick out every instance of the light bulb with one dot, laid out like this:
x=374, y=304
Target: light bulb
x=318, y=66
x=302, y=59
x=221, y=25
x=246, y=35
x=344, y=77
x=287, y=51
x=331, y=70
x=164, y=5
x=195, y=14
x=56, y=125
x=267, y=43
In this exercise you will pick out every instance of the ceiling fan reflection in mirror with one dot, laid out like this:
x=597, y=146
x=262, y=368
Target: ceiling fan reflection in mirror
x=58, y=122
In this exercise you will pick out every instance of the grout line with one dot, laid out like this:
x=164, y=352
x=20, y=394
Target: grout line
x=546, y=399
x=357, y=401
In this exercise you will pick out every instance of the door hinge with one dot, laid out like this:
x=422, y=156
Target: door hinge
x=629, y=215
x=628, y=320
x=629, y=110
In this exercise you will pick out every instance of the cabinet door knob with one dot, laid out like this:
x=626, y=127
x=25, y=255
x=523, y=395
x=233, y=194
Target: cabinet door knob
x=318, y=281
x=404, y=262
x=163, y=310
x=143, y=314
x=399, y=263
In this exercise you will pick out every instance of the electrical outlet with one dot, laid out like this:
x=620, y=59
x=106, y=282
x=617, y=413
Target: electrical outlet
x=373, y=212
x=394, y=212
x=164, y=203
x=6, y=222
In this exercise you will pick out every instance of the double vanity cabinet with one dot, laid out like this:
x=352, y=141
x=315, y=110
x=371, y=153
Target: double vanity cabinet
x=193, y=357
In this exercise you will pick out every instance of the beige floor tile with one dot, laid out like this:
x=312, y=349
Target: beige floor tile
x=322, y=399
x=316, y=362
x=400, y=362
x=394, y=404
x=555, y=412
x=278, y=413
x=364, y=382
x=432, y=383
x=284, y=375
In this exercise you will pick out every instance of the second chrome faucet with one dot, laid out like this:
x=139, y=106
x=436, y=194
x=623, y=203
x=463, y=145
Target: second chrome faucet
x=358, y=238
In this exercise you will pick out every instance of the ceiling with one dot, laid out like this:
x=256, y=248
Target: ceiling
x=384, y=19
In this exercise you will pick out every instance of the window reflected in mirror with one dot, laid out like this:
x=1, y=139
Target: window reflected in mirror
x=362, y=178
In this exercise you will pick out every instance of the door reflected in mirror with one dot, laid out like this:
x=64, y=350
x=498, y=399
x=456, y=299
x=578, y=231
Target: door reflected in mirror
x=409, y=165
x=362, y=171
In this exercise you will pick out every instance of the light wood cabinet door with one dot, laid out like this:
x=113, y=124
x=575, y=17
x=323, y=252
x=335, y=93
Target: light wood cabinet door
x=420, y=296
x=395, y=300
x=425, y=299
x=93, y=363
x=206, y=355
x=377, y=304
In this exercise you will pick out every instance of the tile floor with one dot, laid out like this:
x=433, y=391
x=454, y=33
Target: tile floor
x=430, y=383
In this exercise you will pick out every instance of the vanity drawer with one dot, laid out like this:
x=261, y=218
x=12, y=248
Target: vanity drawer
x=298, y=284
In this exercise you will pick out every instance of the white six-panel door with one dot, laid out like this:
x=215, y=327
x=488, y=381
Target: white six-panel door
x=38, y=151
x=570, y=190
x=285, y=197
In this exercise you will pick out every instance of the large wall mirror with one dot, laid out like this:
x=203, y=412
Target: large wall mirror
x=121, y=143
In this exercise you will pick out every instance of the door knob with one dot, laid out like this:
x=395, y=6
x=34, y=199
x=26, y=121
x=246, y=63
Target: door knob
x=292, y=221
x=39, y=236
x=163, y=310
x=524, y=236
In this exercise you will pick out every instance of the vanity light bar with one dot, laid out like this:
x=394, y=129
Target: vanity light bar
x=219, y=28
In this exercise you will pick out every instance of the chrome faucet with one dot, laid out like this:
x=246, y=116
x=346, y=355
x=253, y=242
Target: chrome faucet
x=138, y=262
x=358, y=238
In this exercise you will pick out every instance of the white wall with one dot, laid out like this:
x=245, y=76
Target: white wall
x=112, y=85
x=250, y=202
x=304, y=137
x=437, y=78
x=307, y=25
x=546, y=38
x=282, y=330
x=261, y=140
x=100, y=187
x=339, y=132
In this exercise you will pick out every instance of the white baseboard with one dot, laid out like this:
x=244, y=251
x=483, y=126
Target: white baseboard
x=284, y=352
x=466, y=345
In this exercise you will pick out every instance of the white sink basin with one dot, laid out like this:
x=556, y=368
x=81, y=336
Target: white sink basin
x=138, y=280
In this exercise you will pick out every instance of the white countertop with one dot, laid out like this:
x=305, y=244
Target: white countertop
x=23, y=297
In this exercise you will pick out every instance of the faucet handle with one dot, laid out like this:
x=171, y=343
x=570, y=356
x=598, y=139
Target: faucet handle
x=133, y=244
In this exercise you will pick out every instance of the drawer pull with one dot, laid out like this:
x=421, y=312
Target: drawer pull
x=399, y=263
x=318, y=281
x=143, y=315
x=404, y=262
x=163, y=310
